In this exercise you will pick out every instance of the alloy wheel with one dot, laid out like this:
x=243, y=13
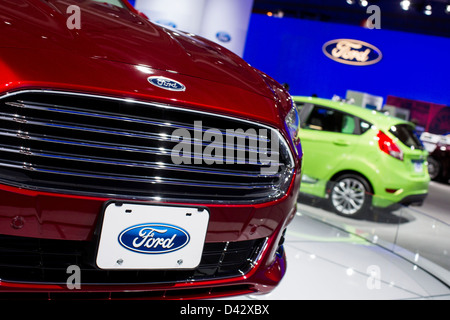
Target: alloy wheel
x=348, y=196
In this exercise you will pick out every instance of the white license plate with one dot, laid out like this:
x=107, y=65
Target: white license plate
x=418, y=166
x=137, y=236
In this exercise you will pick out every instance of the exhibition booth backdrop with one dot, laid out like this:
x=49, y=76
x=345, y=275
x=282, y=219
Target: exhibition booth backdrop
x=299, y=52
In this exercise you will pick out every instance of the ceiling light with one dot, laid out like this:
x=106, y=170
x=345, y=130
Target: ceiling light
x=364, y=3
x=428, y=10
x=447, y=9
x=351, y=2
x=405, y=4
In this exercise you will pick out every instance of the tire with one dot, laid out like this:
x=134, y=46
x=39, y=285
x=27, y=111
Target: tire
x=350, y=196
x=434, y=169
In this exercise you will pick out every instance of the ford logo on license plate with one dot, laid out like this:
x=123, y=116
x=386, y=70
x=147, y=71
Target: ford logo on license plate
x=154, y=238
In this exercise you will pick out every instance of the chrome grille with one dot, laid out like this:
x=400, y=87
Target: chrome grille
x=92, y=145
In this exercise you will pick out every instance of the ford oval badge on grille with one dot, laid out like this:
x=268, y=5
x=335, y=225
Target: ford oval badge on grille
x=154, y=238
x=166, y=83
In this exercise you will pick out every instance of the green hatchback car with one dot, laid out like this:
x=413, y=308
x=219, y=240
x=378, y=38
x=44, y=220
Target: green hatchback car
x=358, y=158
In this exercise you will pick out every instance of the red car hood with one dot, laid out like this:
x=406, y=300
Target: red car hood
x=117, y=50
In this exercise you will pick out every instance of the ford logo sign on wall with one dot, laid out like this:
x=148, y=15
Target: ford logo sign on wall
x=166, y=83
x=223, y=36
x=352, y=52
x=154, y=238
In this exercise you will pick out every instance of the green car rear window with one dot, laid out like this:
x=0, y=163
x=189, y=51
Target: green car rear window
x=407, y=135
x=364, y=126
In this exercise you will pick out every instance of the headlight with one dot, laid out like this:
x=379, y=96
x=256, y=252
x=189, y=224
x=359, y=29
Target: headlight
x=292, y=122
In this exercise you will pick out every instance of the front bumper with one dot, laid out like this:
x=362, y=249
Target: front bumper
x=259, y=281
x=71, y=222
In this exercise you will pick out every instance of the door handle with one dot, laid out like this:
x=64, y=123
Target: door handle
x=341, y=142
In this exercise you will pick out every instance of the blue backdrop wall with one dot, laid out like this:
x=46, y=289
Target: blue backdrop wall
x=290, y=50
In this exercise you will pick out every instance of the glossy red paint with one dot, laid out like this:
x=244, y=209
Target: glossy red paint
x=112, y=55
x=120, y=53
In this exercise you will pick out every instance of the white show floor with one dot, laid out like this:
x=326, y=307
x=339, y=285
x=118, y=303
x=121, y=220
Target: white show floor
x=326, y=263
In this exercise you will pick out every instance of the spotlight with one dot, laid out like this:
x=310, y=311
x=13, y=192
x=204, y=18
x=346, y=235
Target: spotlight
x=350, y=2
x=428, y=10
x=447, y=9
x=405, y=4
x=363, y=3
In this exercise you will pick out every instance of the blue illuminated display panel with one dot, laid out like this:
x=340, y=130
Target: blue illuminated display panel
x=291, y=50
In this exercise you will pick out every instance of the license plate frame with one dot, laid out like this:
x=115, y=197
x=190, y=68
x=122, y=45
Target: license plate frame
x=418, y=166
x=151, y=236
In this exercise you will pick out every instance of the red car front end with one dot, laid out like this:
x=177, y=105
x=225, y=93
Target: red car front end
x=90, y=183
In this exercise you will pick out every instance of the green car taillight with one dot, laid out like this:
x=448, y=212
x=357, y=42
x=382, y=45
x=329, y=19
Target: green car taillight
x=388, y=146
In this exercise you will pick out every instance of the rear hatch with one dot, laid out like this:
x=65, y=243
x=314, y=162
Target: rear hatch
x=414, y=153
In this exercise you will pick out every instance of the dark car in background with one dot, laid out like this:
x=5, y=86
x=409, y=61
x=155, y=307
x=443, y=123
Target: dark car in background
x=438, y=147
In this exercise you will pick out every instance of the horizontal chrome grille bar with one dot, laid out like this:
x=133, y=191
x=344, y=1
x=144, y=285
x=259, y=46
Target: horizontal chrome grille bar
x=148, y=165
x=28, y=136
x=151, y=122
x=143, y=179
x=110, y=131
